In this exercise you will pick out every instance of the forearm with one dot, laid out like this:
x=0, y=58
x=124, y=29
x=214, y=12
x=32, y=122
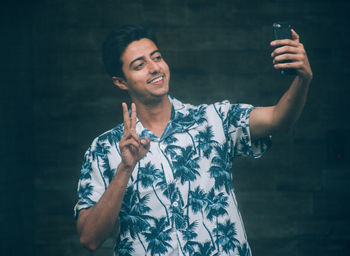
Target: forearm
x=97, y=222
x=291, y=54
x=288, y=109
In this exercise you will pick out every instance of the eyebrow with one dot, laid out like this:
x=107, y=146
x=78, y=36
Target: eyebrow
x=141, y=58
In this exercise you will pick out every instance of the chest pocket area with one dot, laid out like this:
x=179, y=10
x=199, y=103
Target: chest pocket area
x=147, y=178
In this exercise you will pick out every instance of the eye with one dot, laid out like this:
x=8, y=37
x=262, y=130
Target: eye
x=139, y=66
x=157, y=58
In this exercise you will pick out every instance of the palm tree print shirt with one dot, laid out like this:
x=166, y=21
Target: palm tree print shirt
x=180, y=198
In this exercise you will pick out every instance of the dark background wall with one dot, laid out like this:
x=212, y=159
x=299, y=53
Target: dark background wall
x=55, y=98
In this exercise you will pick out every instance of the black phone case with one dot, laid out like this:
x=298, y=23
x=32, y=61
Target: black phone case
x=281, y=30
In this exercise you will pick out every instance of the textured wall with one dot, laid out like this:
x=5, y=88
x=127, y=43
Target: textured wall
x=16, y=152
x=56, y=98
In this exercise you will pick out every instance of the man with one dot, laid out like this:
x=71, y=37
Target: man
x=163, y=177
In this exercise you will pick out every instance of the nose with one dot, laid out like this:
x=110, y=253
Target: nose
x=153, y=67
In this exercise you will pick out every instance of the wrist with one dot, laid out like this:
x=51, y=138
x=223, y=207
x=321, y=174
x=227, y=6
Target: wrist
x=127, y=168
x=304, y=80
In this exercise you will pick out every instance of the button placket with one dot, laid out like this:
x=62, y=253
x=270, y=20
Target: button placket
x=168, y=173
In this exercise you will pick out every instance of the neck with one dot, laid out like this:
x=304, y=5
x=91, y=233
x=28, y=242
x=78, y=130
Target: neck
x=154, y=116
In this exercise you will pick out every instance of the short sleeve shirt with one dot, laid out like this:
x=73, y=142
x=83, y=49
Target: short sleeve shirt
x=180, y=198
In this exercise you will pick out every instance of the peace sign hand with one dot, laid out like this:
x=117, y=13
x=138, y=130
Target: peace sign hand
x=132, y=148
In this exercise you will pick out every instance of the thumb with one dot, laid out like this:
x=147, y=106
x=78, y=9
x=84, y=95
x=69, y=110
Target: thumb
x=295, y=35
x=145, y=142
x=146, y=145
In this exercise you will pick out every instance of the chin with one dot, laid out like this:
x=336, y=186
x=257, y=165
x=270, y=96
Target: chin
x=162, y=91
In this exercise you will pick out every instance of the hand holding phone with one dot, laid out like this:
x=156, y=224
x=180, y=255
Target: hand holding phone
x=282, y=30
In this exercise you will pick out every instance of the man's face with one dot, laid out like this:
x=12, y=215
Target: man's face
x=146, y=73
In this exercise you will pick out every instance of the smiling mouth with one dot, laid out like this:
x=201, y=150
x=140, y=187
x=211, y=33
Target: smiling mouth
x=156, y=80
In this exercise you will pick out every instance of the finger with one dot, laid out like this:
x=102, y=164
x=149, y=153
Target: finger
x=295, y=35
x=287, y=57
x=128, y=134
x=128, y=142
x=132, y=142
x=298, y=51
x=133, y=115
x=283, y=50
x=126, y=116
x=294, y=65
x=145, y=142
x=134, y=135
x=145, y=145
x=277, y=43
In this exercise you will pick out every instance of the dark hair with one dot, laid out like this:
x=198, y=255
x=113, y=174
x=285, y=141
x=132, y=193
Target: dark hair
x=117, y=41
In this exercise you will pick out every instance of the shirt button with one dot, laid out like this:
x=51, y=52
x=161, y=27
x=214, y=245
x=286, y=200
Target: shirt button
x=175, y=204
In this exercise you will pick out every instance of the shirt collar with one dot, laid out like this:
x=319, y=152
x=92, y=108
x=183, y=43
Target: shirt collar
x=182, y=119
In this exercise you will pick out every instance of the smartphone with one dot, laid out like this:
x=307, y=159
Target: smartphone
x=281, y=30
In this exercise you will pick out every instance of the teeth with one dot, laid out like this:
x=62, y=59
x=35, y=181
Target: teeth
x=157, y=80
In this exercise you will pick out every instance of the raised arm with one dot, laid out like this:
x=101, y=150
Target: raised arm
x=95, y=224
x=268, y=120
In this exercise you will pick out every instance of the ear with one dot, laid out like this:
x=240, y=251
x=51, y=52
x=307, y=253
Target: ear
x=120, y=82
